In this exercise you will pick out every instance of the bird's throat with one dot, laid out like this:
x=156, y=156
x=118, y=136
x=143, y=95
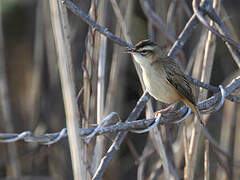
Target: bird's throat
x=142, y=61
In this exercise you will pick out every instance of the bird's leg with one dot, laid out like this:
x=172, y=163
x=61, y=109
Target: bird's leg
x=165, y=110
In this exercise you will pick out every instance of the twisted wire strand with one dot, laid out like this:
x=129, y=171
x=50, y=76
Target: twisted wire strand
x=145, y=124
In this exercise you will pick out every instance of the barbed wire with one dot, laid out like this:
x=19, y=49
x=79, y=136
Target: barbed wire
x=51, y=138
x=210, y=105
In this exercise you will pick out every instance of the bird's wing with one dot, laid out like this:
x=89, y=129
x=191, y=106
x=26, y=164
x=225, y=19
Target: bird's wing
x=177, y=79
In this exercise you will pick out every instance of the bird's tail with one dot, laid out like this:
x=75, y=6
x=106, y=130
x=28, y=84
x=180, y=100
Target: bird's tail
x=194, y=109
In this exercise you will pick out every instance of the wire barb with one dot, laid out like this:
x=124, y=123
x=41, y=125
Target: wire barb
x=220, y=104
x=157, y=120
x=99, y=126
x=183, y=118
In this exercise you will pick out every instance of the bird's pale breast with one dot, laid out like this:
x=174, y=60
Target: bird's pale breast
x=158, y=86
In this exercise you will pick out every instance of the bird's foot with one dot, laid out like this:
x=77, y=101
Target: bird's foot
x=165, y=110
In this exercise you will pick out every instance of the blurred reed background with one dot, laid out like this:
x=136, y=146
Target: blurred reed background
x=105, y=80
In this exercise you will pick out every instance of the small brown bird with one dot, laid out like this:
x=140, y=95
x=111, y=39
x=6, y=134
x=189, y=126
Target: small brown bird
x=163, y=78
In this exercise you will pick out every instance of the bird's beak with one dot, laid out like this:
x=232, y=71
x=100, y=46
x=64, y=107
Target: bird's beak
x=130, y=51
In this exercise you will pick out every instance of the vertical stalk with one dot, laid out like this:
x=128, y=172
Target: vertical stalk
x=206, y=161
x=226, y=134
x=61, y=34
x=98, y=149
x=6, y=108
x=38, y=54
x=236, y=150
x=209, y=48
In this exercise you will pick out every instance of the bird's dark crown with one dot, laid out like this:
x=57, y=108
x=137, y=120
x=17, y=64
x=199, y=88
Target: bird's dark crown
x=145, y=47
x=144, y=43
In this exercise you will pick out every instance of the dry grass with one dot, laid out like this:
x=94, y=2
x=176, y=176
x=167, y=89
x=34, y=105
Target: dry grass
x=56, y=72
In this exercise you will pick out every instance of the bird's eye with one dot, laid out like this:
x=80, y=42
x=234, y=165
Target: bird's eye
x=144, y=52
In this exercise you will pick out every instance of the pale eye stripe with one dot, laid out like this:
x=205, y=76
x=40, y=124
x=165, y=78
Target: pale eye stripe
x=146, y=48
